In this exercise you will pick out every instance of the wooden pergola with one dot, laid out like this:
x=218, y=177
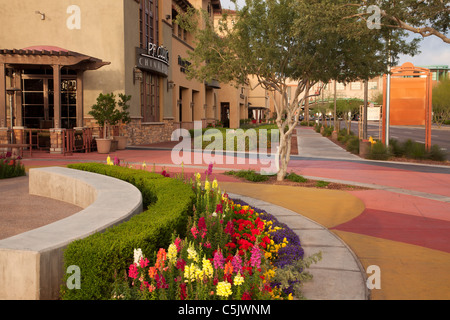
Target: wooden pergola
x=56, y=58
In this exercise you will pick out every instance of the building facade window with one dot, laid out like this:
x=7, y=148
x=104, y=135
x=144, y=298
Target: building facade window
x=355, y=86
x=373, y=85
x=340, y=86
x=38, y=98
x=148, y=22
x=149, y=33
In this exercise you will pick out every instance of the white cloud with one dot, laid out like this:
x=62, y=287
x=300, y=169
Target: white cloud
x=434, y=51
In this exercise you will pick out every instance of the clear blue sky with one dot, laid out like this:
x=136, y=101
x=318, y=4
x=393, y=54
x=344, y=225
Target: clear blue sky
x=433, y=50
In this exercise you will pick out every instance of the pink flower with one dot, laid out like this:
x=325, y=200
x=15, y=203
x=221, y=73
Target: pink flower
x=218, y=260
x=133, y=271
x=194, y=232
x=144, y=262
x=255, y=259
x=237, y=263
x=177, y=243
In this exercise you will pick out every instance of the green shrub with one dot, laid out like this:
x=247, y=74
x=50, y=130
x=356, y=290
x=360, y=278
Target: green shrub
x=378, y=151
x=352, y=144
x=241, y=141
x=436, y=153
x=167, y=203
x=414, y=150
x=295, y=178
x=396, y=148
x=317, y=127
x=322, y=184
x=327, y=131
x=249, y=175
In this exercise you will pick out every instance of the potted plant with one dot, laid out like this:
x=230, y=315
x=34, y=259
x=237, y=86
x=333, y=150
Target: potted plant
x=106, y=113
x=123, y=117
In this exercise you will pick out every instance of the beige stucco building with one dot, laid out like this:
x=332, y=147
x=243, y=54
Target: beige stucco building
x=82, y=48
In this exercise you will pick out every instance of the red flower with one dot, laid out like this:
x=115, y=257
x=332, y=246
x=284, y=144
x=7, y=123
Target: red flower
x=183, y=293
x=246, y=296
x=202, y=223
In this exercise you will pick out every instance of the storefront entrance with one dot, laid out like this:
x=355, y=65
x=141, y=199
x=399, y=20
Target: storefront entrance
x=45, y=92
x=38, y=101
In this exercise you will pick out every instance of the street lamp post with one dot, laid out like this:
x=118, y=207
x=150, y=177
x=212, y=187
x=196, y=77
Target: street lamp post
x=388, y=95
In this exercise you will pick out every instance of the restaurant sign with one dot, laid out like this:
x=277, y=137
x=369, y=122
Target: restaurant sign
x=154, y=59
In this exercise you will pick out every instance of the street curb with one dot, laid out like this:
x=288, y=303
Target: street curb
x=339, y=275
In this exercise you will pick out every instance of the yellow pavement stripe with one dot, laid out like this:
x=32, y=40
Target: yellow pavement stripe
x=408, y=272
x=327, y=207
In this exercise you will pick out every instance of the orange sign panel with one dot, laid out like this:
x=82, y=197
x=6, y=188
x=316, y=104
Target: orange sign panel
x=410, y=99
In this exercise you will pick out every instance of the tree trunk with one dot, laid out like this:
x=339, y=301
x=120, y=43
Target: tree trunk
x=285, y=155
x=104, y=130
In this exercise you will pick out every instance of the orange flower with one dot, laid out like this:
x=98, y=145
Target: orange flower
x=152, y=272
x=228, y=268
x=161, y=258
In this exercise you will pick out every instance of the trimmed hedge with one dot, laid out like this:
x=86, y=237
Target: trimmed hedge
x=103, y=256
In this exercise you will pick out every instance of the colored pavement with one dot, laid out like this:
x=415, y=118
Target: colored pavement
x=401, y=224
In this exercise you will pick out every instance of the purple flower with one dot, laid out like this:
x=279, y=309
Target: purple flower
x=209, y=171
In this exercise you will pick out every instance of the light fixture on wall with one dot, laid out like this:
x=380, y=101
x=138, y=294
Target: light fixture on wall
x=42, y=14
x=168, y=17
x=137, y=75
x=170, y=84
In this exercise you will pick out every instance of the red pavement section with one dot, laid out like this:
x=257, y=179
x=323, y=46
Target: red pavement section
x=373, y=174
x=425, y=232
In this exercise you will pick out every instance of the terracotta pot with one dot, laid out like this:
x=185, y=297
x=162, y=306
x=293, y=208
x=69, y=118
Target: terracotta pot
x=103, y=145
x=121, y=142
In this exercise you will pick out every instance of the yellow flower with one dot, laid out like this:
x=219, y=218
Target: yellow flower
x=108, y=161
x=172, y=253
x=207, y=268
x=144, y=165
x=224, y=289
x=192, y=254
x=207, y=185
x=190, y=273
x=215, y=184
x=238, y=280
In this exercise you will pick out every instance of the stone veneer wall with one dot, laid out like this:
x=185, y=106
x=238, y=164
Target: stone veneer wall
x=142, y=133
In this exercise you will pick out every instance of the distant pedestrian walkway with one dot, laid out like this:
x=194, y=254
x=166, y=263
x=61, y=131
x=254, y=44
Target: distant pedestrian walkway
x=313, y=145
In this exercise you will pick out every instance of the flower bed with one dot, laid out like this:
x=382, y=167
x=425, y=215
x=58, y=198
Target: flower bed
x=231, y=251
x=101, y=255
x=10, y=167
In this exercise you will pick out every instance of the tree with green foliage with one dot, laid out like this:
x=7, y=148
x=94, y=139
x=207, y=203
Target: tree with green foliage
x=441, y=102
x=280, y=41
x=425, y=17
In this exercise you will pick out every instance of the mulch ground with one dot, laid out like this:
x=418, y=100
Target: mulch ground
x=309, y=184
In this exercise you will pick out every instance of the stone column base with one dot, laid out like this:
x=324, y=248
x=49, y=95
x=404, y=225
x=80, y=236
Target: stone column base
x=56, y=141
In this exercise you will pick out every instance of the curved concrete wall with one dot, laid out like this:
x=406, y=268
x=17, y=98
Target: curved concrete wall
x=31, y=263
